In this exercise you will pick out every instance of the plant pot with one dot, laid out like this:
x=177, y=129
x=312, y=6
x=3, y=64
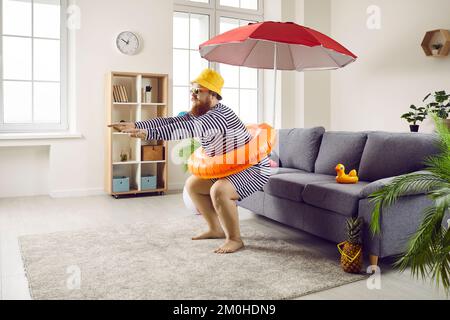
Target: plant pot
x=414, y=128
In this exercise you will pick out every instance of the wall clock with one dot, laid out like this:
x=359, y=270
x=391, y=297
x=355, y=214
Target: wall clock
x=128, y=43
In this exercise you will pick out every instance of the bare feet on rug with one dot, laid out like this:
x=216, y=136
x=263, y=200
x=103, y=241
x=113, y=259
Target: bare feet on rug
x=210, y=234
x=230, y=246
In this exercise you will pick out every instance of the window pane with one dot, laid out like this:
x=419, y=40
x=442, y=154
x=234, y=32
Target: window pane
x=230, y=74
x=46, y=60
x=16, y=17
x=181, y=30
x=47, y=18
x=17, y=102
x=249, y=106
x=16, y=58
x=249, y=4
x=230, y=3
x=249, y=78
x=181, y=67
x=231, y=99
x=47, y=102
x=199, y=30
x=227, y=24
x=181, y=100
x=197, y=65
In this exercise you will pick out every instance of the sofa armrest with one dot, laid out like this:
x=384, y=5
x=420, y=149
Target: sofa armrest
x=378, y=184
x=398, y=223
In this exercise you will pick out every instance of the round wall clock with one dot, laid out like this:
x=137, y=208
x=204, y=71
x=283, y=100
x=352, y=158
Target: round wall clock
x=128, y=43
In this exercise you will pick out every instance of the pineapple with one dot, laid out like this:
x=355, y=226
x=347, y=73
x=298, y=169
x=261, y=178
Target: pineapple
x=352, y=258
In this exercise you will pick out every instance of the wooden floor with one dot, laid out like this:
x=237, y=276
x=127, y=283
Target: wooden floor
x=36, y=215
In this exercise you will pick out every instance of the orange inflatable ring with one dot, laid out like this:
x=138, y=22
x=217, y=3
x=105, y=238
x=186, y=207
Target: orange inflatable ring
x=206, y=167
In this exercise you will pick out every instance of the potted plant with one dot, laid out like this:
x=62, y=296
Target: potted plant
x=428, y=251
x=439, y=106
x=435, y=48
x=418, y=114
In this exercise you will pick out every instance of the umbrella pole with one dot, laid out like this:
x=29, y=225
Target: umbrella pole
x=274, y=110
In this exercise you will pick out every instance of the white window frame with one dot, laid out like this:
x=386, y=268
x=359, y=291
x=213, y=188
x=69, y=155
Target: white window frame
x=215, y=11
x=40, y=127
x=216, y=4
x=259, y=12
x=197, y=10
x=201, y=11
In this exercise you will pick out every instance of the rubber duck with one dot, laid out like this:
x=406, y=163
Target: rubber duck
x=341, y=177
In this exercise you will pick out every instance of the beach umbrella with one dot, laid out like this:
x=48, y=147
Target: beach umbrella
x=277, y=46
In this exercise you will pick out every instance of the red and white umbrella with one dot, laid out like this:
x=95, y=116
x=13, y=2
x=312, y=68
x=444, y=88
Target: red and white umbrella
x=278, y=46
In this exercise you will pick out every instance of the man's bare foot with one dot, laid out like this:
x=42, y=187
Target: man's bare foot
x=210, y=234
x=230, y=246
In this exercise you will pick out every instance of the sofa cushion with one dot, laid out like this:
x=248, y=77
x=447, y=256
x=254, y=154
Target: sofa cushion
x=298, y=148
x=391, y=154
x=340, y=147
x=333, y=196
x=291, y=185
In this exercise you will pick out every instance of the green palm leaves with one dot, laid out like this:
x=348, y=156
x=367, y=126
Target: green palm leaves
x=428, y=250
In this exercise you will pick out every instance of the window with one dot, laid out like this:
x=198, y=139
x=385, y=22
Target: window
x=189, y=30
x=194, y=23
x=242, y=4
x=32, y=66
x=241, y=88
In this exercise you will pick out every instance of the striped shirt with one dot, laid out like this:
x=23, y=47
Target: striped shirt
x=220, y=130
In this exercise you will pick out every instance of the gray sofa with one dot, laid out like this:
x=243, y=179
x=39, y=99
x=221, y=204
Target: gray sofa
x=304, y=194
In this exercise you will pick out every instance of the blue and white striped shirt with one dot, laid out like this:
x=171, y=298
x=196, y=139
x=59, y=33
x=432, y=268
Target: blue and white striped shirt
x=219, y=130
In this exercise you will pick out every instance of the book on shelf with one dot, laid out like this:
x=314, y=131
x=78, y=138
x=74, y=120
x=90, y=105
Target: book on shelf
x=115, y=94
x=125, y=96
x=120, y=94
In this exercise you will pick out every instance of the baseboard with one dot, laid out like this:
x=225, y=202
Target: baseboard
x=72, y=193
x=176, y=186
x=77, y=193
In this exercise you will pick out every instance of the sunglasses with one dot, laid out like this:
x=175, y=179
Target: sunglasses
x=196, y=91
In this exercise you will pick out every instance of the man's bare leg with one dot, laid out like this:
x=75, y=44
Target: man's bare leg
x=223, y=197
x=199, y=191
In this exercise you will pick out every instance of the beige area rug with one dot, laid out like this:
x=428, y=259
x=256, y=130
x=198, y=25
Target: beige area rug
x=160, y=261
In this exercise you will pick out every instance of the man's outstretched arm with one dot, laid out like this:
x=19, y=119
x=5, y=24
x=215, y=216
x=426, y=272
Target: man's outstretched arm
x=161, y=121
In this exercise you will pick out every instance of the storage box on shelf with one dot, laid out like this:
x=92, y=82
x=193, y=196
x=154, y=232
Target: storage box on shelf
x=143, y=163
x=152, y=153
x=148, y=183
x=121, y=184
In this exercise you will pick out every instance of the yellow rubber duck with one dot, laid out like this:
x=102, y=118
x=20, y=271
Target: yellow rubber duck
x=341, y=177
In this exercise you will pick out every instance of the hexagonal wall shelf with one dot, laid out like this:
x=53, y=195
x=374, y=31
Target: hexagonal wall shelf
x=434, y=37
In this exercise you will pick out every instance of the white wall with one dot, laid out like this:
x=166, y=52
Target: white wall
x=24, y=171
x=317, y=83
x=392, y=71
